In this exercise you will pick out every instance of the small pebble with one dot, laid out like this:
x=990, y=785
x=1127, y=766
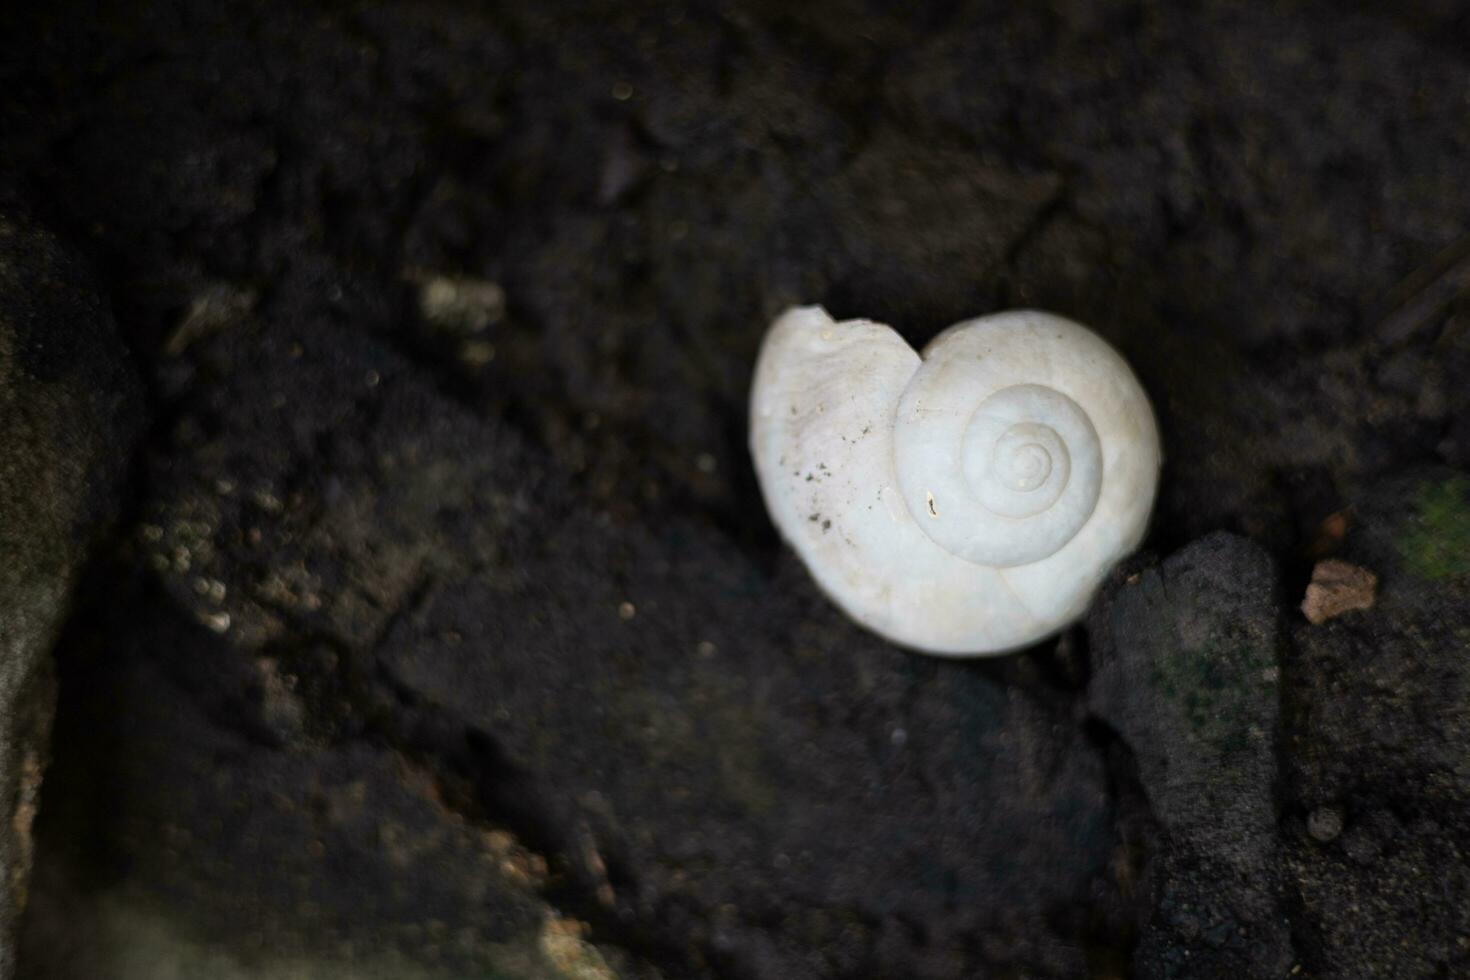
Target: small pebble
x=1338, y=587
x=219, y=622
x=460, y=304
x=1325, y=823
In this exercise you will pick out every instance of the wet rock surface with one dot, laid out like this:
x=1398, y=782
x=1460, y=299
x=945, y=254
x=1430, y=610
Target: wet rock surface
x=1379, y=735
x=68, y=414
x=445, y=634
x=1187, y=672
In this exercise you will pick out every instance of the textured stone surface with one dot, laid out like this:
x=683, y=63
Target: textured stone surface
x=422, y=586
x=67, y=417
x=1379, y=722
x=1187, y=671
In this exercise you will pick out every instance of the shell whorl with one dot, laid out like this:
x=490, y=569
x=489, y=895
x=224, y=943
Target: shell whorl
x=999, y=463
x=1005, y=483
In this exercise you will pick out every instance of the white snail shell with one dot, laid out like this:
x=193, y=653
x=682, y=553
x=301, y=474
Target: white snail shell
x=965, y=502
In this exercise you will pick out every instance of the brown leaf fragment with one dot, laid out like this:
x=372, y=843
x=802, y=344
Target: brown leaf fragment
x=1330, y=534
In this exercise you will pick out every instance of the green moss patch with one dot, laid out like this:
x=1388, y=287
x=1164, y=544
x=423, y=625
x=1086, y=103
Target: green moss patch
x=1436, y=544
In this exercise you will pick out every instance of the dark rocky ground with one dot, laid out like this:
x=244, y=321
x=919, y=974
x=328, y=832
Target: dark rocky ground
x=69, y=414
x=443, y=633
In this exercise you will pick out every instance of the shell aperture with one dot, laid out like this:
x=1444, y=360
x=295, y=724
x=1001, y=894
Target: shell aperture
x=964, y=503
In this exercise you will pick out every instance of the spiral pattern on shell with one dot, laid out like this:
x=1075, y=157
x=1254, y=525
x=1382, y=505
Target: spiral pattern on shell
x=999, y=473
